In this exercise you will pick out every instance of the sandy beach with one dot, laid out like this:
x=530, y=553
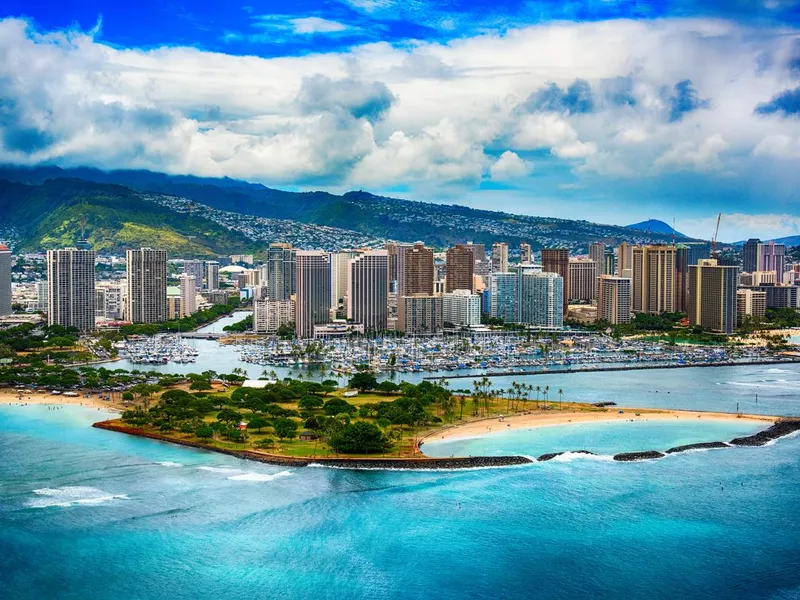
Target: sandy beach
x=11, y=396
x=494, y=425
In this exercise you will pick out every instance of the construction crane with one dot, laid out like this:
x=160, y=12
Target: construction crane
x=714, y=239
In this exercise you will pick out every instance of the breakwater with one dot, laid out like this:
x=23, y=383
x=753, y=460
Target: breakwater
x=424, y=462
x=632, y=456
x=779, y=429
x=700, y=446
x=632, y=367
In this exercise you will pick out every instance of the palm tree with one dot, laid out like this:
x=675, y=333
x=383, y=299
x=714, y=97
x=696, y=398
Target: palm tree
x=461, y=402
x=538, y=391
x=546, y=392
x=560, y=397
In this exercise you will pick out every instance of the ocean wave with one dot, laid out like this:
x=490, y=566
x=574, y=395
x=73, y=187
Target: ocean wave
x=776, y=371
x=790, y=385
x=420, y=469
x=259, y=476
x=218, y=469
x=169, y=463
x=571, y=456
x=72, y=496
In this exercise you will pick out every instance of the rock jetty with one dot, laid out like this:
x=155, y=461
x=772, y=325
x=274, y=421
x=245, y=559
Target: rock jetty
x=632, y=456
x=779, y=429
x=700, y=446
x=552, y=455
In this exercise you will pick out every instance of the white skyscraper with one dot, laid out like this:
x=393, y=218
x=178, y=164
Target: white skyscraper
x=188, y=287
x=71, y=293
x=461, y=308
x=212, y=276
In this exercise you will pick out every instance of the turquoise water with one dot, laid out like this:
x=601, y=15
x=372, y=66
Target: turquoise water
x=86, y=513
x=605, y=439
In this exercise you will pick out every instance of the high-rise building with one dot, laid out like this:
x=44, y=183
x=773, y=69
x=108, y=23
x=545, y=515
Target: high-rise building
x=415, y=270
x=70, y=291
x=609, y=263
x=556, y=260
x=751, y=255
x=420, y=314
x=682, y=258
x=525, y=253
x=41, y=296
x=499, y=257
x=750, y=303
x=583, y=273
x=5, y=280
x=270, y=315
x=313, y=295
x=392, y=251
x=654, y=279
x=712, y=296
x=461, y=308
x=195, y=268
x=597, y=253
x=147, y=286
x=758, y=278
x=460, y=268
x=340, y=270
x=483, y=267
x=791, y=276
x=110, y=301
x=625, y=260
x=773, y=258
x=188, y=287
x=211, y=276
x=614, y=299
x=368, y=290
x=281, y=271
x=504, y=296
x=541, y=299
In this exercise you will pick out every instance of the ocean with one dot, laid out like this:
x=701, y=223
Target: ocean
x=86, y=513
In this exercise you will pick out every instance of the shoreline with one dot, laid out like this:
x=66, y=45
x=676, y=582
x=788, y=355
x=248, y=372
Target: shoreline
x=535, y=419
x=12, y=397
x=785, y=361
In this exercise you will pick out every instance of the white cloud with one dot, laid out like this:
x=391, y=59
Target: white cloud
x=699, y=156
x=576, y=149
x=738, y=226
x=509, y=166
x=778, y=146
x=422, y=114
x=317, y=25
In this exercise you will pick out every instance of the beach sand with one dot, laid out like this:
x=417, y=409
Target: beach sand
x=493, y=425
x=11, y=396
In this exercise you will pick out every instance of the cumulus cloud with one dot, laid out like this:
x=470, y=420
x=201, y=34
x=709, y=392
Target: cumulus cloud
x=593, y=100
x=509, y=166
x=370, y=100
x=701, y=156
x=739, y=226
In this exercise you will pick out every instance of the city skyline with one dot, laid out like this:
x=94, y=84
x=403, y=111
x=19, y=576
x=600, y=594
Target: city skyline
x=610, y=130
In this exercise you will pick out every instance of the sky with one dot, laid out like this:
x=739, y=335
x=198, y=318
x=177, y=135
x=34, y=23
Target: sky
x=604, y=110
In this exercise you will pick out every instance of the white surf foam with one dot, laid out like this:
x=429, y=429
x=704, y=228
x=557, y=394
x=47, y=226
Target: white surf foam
x=572, y=456
x=169, y=463
x=776, y=370
x=259, y=476
x=72, y=496
x=218, y=469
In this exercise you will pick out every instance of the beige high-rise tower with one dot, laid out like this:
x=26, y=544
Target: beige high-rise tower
x=147, y=286
x=654, y=279
x=313, y=298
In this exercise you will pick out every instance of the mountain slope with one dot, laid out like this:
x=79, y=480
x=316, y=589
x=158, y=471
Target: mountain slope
x=656, y=226
x=114, y=218
x=377, y=216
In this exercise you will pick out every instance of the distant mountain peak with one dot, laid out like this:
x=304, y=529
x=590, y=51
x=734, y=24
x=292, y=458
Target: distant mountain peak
x=656, y=226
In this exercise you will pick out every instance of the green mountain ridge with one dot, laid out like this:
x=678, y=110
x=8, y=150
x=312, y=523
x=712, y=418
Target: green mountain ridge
x=114, y=218
x=436, y=224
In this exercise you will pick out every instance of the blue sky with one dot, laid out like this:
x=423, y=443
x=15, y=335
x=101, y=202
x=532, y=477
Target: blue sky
x=603, y=110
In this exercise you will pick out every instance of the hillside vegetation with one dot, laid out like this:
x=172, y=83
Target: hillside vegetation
x=114, y=218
